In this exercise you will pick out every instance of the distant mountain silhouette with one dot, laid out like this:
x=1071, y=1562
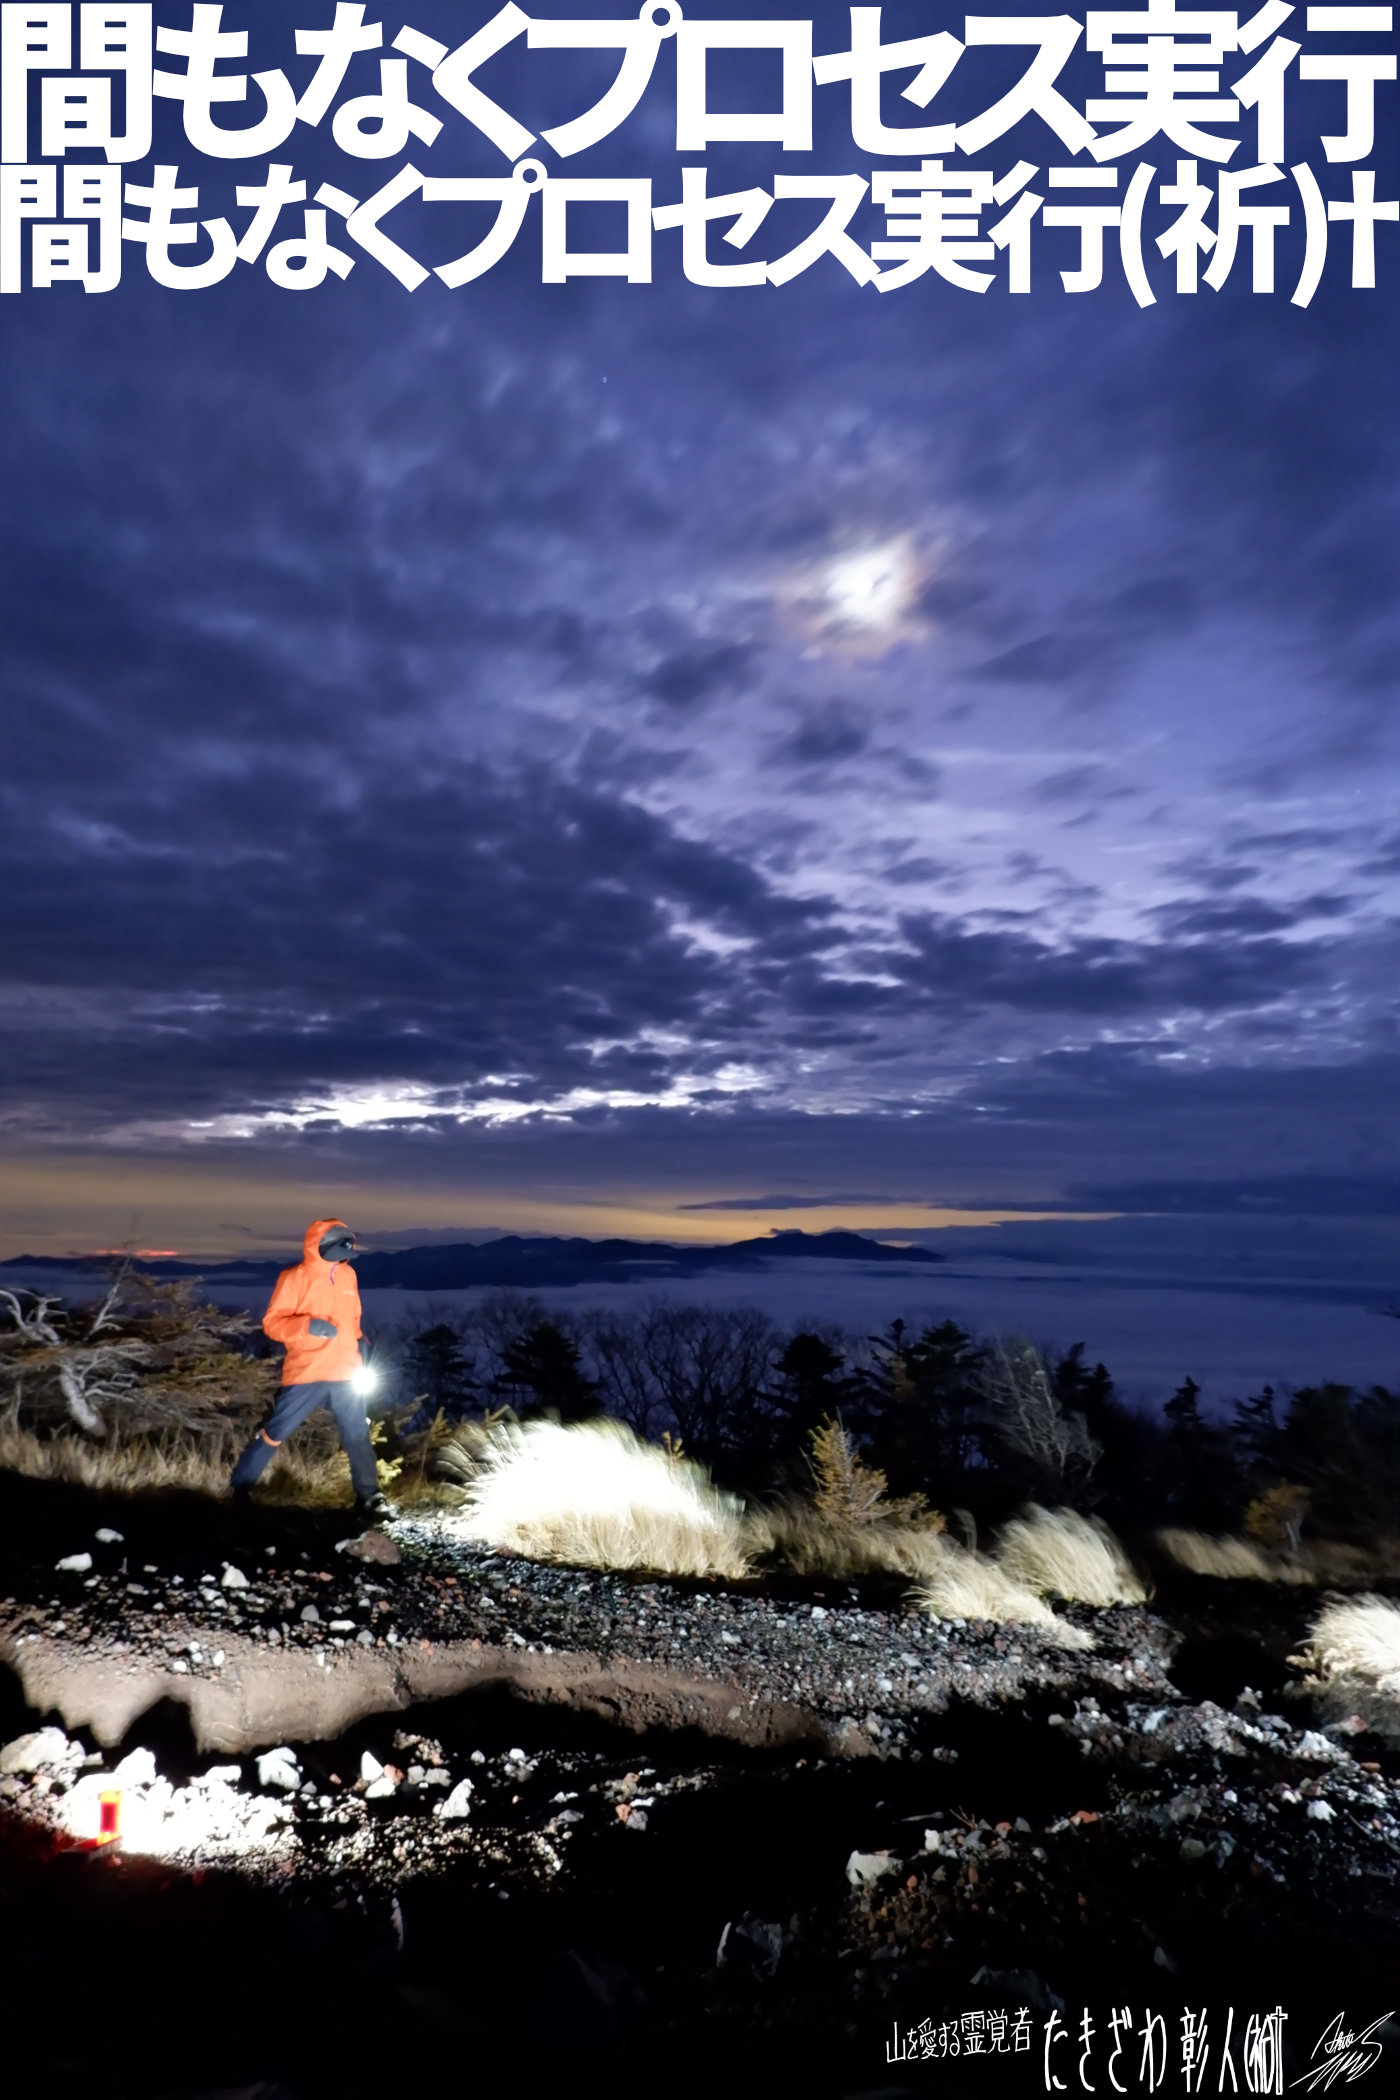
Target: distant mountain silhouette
x=529, y=1263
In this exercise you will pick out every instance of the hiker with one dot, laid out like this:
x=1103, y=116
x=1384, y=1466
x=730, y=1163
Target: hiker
x=315, y=1312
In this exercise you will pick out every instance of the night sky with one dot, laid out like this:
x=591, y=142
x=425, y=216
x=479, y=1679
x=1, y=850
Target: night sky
x=635, y=757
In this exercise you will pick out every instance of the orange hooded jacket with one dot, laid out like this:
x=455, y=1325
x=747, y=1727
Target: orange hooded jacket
x=316, y=1290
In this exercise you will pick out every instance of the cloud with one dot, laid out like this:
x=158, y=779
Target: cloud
x=692, y=676
x=824, y=737
x=742, y=1203
x=400, y=719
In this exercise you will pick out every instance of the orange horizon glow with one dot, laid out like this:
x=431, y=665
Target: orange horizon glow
x=177, y=1209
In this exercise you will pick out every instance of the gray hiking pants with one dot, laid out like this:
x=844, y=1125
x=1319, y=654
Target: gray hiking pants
x=294, y=1404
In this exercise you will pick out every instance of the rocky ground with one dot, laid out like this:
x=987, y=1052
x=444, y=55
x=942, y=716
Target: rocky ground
x=449, y=1811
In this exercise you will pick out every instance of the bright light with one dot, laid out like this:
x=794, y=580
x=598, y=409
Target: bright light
x=871, y=588
x=365, y=1380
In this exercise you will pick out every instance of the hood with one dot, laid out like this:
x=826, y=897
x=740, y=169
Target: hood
x=316, y=1232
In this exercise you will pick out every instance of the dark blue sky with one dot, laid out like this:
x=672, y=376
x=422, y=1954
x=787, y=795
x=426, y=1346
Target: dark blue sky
x=565, y=755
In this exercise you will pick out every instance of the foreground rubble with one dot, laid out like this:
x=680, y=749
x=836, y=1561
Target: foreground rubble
x=778, y=1828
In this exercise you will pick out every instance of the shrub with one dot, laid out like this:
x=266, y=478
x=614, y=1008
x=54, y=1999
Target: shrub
x=1275, y=1518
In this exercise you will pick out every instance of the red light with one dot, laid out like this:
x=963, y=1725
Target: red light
x=109, y=1824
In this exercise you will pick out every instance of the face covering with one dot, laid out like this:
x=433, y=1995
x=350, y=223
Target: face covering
x=337, y=1246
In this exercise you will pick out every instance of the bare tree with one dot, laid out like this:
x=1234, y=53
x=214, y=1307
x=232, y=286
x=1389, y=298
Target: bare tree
x=106, y=1314
x=36, y=1324
x=1029, y=1420
x=697, y=1372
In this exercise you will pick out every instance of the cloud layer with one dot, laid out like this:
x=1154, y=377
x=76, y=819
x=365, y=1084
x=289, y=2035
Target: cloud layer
x=809, y=740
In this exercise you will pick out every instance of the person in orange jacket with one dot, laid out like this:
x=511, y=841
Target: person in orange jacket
x=314, y=1312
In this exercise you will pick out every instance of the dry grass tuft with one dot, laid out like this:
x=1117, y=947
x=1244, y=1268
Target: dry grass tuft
x=131, y=1466
x=1357, y=1641
x=194, y=1457
x=1229, y=1559
x=965, y=1586
x=1058, y=1553
x=593, y=1495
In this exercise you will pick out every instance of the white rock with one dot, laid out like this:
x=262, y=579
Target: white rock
x=108, y=1538
x=1322, y=1811
x=370, y=1767
x=219, y=1775
x=75, y=1564
x=1311, y=1744
x=379, y=1789
x=137, y=1769
x=279, y=1768
x=342, y=1625
x=234, y=1579
x=863, y=1869
x=457, y=1804
x=180, y=1666
x=218, y=1658
x=46, y=1747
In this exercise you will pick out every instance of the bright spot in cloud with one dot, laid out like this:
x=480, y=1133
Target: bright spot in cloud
x=872, y=587
x=376, y=1108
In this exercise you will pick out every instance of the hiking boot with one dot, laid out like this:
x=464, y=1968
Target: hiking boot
x=378, y=1508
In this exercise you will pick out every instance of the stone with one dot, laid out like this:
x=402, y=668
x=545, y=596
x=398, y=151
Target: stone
x=233, y=1578
x=46, y=1747
x=370, y=1768
x=279, y=1768
x=375, y=1546
x=310, y=1616
x=1314, y=1745
x=864, y=1869
x=74, y=1564
x=109, y=1537
x=138, y=1768
x=458, y=1803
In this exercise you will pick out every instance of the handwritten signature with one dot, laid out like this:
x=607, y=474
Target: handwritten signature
x=1345, y=2056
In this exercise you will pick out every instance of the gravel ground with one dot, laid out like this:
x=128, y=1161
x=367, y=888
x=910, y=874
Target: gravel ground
x=987, y=1817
